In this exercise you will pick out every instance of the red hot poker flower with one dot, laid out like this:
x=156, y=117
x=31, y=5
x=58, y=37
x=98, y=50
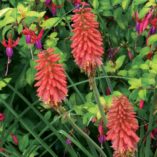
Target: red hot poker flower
x=51, y=79
x=87, y=42
x=122, y=126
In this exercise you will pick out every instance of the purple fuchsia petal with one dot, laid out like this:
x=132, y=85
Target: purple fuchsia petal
x=38, y=44
x=9, y=52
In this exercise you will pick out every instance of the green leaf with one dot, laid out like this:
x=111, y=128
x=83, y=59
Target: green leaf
x=135, y=83
x=142, y=94
x=51, y=22
x=144, y=51
x=7, y=20
x=152, y=39
x=143, y=12
x=3, y=11
x=23, y=142
x=125, y=4
x=120, y=61
x=122, y=73
x=35, y=14
x=115, y=2
x=3, y=84
x=47, y=115
x=30, y=74
x=95, y=4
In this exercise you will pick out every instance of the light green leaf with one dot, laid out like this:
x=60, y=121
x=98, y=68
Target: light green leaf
x=3, y=11
x=51, y=22
x=142, y=94
x=135, y=83
x=120, y=61
x=144, y=51
x=125, y=4
x=95, y=4
x=3, y=84
x=152, y=39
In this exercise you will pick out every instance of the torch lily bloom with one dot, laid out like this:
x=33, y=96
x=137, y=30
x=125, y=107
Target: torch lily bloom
x=122, y=126
x=87, y=42
x=51, y=78
x=9, y=46
x=37, y=39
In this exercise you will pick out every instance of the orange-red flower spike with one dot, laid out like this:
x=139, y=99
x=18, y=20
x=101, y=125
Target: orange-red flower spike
x=51, y=79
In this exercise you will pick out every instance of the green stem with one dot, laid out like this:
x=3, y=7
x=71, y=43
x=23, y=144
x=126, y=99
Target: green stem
x=107, y=79
x=75, y=88
x=148, y=139
x=86, y=137
x=97, y=96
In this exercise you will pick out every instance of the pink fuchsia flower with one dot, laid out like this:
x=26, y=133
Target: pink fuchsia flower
x=141, y=105
x=53, y=9
x=47, y=2
x=150, y=55
x=77, y=3
x=51, y=79
x=108, y=91
x=130, y=55
x=28, y=34
x=15, y=139
x=141, y=24
x=10, y=44
x=36, y=39
x=2, y=149
x=153, y=133
x=154, y=26
x=2, y=117
x=87, y=45
x=101, y=136
x=68, y=141
x=122, y=126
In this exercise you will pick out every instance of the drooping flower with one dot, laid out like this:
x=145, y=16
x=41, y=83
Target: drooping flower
x=77, y=3
x=68, y=141
x=101, y=136
x=47, y=2
x=141, y=105
x=28, y=34
x=51, y=79
x=14, y=138
x=122, y=126
x=141, y=24
x=130, y=55
x=37, y=39
x=54, y=9
x=2, y=117
x=87, y=42
x=153, y=133
x=154, y=26
x=9, y=46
